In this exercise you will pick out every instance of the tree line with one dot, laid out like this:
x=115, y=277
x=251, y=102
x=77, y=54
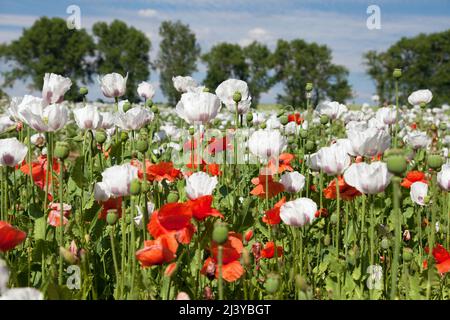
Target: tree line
x=49, y=46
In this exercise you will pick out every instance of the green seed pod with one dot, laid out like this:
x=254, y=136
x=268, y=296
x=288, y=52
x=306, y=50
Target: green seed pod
x=309, y=87
x=143, y=131
x=111, y=217
x=249, y=117
x=272, y=283
x=126, y=106
x=284, y=120
x=172, y=197
x=83, y=91
x=220, y=233
x=191, y=131
x=291, y=139
x=435, y=161
x=100, y=136
x=423, y=105
x=385, y=243
x=145, y=186
x=155, y=109
x=310, y=146
x=397, y=73
x=135, y=187
x=205, y=89
x=407, y=254
x=149, y=103
x=237, y=97
x=142, y=146
x=124, y=136
x=303, y=134
x=396, y=164
x=327, y=240
x=324, y=119
x=263, y=125
x=334, y=218
x=62, y=150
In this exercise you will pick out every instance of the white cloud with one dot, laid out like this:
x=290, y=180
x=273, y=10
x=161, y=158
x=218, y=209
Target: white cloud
x=147, y=13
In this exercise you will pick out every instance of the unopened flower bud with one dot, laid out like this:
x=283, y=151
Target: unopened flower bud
x=246, y=257
x=396, y=164
x=142, y=146
x=124, y=136
x=310, y=146
x=249, y=117
x=67, y=255
x=309, y=87
x=172, y=197
x=126, y=106
x=303, y=134
x=324, y=119
x=397, y=73
x=83, y=91
x=155, y=109
x=327, y=240
x=407, y=254
x=135, y=187
x=284, y=120
x=272, y=283
x=62, y=150
x=211, y=270
x=149, y=103
x=443, y=126
x=100, y=136
x=191, y=131
x=434, y=161
x=385, y=243
x=248, y=235
x=263, y=125
x=145, y=186
x=112, y=216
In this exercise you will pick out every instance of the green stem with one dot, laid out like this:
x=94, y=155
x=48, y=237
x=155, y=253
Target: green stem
x=61, y=219
x=394, y=275
x=220, y=261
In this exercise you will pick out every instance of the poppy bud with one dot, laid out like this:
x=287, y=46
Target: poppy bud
x=310, y=146
x=396, y=164
x=334, y=218
x=62, y=150
x=397, y=73
x=248, y=235
x=256, y=250
x=220, y=233
x=249, y=117
x=301, y=283
x=284, y=120
x=263, y=125
x=434, y=161
x=142, y=146
x=112, y=217
x=205, y=89
x=100, y=137
x=191, y=131
x=155, y=109
x=172, y=197
x=135, y=187
x=182, y=296
x=385, y=243
x=145, y=186
x=245, y=257
x=309, y=87
x=237, y=97
x=272, y=283
x=126, y=106
x=423, y=105
x=83, y=91
x=211, y=270
x=67, y=255
x=303, y=134
x=149, y=103
x=208, y=293
x=324, y=119
x=124, y=136
x=291, y=139
x=406, y=235
x=443, y=126
x=327, y=240
x=407, y=254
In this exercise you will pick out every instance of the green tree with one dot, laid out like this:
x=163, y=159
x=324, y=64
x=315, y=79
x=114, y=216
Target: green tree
x=224, y=61
x=49, y=46
x=251, y=64
x=425, y=64
x=298, y=62
x=123, y=49
x=178, y=54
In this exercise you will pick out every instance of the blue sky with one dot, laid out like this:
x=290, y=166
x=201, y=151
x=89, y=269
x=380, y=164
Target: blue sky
x=340, y=24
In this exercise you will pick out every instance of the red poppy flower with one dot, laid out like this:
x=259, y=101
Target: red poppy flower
x=323, y=212
x=442, y=258
x=346, y=192
x=172, y=218
x=157, y=172
x=232, y=269
x=39, y=171
x=201, y=208
x=10, y=237
x=213, y=169
x=413, y=176
x=269, y=250
x=248, y=235
x=219, y=144
x=273, y=188
x=158, y=251
x=272, y=216
x=111, y=203
x=170, y=270
x=284, y=163
x=295, y=117
x=413, y=126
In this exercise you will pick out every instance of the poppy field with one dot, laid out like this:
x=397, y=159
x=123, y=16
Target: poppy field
x=212, y=199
